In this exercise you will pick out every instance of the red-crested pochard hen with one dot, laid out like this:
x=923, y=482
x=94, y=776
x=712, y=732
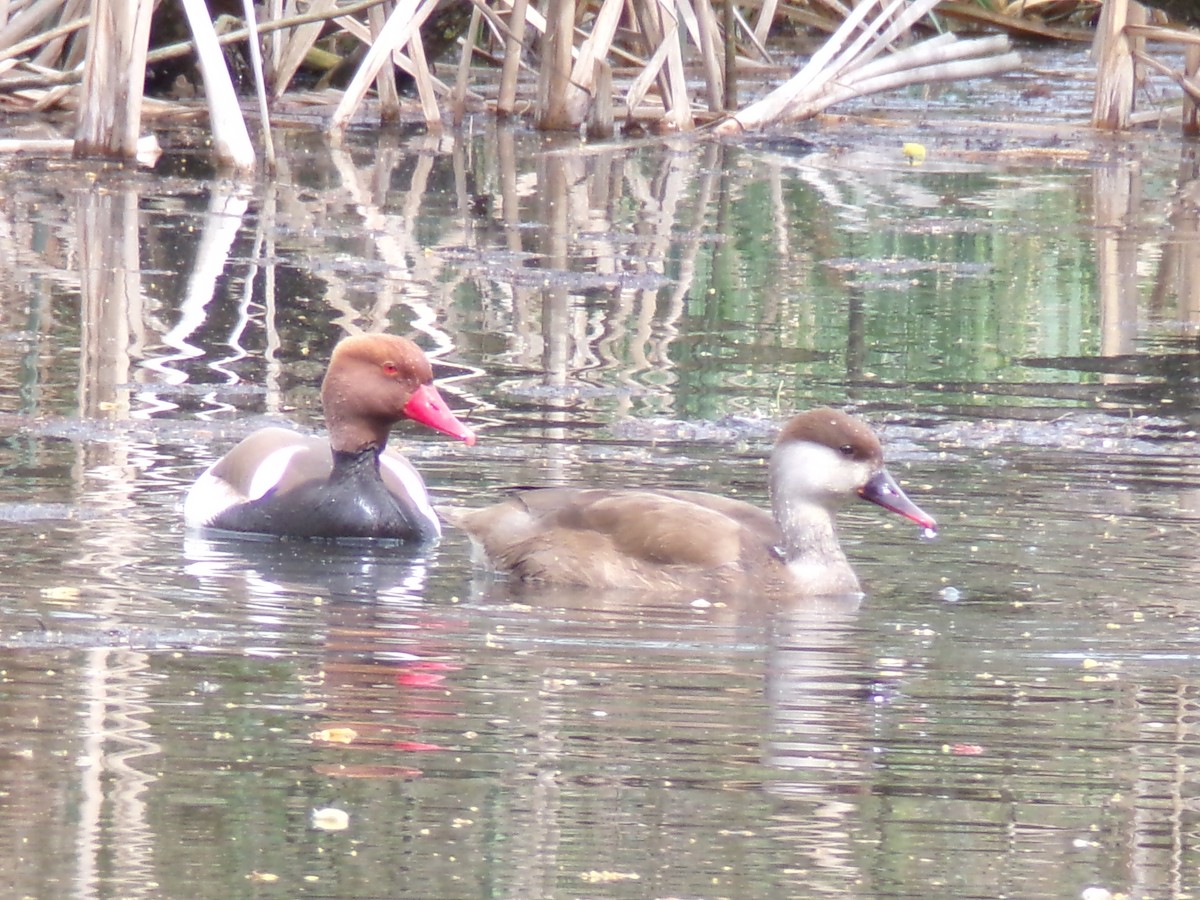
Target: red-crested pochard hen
x=287, y=484
x=688, y=540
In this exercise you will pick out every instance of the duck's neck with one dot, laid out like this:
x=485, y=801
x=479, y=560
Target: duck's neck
x=349, y=465
x=355, y=434
x=809, y=545
x=811, y=550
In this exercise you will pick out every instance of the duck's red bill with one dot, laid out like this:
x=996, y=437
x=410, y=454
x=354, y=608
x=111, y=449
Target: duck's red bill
x=427, y=407
x=882, y=489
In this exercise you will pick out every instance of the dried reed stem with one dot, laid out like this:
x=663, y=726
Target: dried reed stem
x=260, y=84
x=401, y=25
x=110, y=105
x=513, y=47
x=845, y=66
x=458, y=101
x=231, y=140
x=385, y=81
x=1112, y=103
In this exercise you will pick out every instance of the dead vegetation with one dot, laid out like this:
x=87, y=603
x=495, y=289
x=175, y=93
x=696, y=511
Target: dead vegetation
x=593, y=65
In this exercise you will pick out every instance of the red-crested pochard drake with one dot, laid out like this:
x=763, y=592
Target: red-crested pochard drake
x=283, y=483
x=687, y=540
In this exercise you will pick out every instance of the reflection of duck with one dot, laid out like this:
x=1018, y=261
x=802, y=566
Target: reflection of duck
x=652, y=539
x=692, y=695
x=385, y=653
x=280, y=482
x=266, y=574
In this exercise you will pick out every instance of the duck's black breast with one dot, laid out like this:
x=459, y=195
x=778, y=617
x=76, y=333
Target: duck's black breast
x=352, y=502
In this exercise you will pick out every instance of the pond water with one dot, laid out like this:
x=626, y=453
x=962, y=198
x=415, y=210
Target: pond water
x=1011, y=710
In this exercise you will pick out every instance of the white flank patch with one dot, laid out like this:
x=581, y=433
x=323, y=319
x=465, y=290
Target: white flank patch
x=414, y=487
x=210, y=495
x=208, y=498
x=270, y=471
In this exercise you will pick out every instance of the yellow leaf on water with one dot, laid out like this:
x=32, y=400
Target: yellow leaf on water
x=335, y=735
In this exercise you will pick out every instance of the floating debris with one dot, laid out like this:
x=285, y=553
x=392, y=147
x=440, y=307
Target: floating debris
x=330, y=819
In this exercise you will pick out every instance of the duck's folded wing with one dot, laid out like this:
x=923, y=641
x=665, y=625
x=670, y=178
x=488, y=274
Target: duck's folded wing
x=659, y=528
x=599, y=537
x=270, y=459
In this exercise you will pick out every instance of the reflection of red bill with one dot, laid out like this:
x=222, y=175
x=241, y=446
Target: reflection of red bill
x=425, y=673
x=415, y=746
x=965, y=750
x=339, y=771
x=419, y=679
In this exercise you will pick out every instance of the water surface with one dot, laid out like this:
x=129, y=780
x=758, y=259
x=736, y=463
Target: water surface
x=1010, y=711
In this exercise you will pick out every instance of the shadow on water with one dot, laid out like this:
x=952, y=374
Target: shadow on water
x=1008, y=712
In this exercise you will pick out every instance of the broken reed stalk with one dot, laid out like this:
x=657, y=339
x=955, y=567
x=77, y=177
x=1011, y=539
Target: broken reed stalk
x=941, y=49
x=231, y=141
x=45, y=37
x=660, y=31
x=28, y=21
x=845, y=66
x=260, y=83
x=711, y=55
x=759, y=47
x=148, y=150
x=386, y=93
x=1112, y=103
x=1190, y=88
x=183, y=48
x=109, y=119
x=424, y=80
x=513, y=46
x=1191, y=108
x=679, y=110
x=582, y=88
x=827, y=63
x=52, y=53
x=730, y=58
x=942, y=71
x=956, y=63
x=766, y=18
x=458, y=101
x=1162, y=35
x=298, y=44
x=403, y=22
x=554, y=75
x=312, y=17
x=271, y=45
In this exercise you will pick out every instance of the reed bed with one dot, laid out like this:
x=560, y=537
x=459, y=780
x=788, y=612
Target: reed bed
x=671, y=65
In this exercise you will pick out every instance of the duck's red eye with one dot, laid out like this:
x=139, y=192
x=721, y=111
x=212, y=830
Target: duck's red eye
x=389, y=368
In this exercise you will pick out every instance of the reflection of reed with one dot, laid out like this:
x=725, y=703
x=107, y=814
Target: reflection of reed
x=112, y=300
x=603, y=249
x=1116, y=193
x=591, y=244
x=1179, y=269
x=816, y=758
x=227, y=206
x=1117, y=196
x=413, y=274
x=116, y=847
